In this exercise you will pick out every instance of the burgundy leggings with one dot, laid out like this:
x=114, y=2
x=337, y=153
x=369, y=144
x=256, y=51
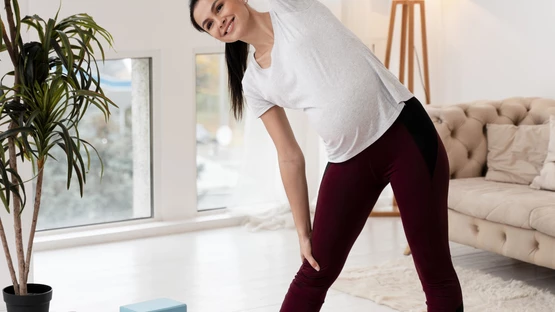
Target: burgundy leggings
x=410, y=156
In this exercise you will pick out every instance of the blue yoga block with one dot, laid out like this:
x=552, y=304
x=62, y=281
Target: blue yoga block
x=157, y=305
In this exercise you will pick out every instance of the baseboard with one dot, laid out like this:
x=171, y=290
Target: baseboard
x=135, y=231
x=384, y=203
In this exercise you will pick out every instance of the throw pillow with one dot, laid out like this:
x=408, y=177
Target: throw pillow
x=546, y=179
x=516, y=153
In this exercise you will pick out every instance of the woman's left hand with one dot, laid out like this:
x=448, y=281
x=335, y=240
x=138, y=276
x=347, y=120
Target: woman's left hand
x=306, y=252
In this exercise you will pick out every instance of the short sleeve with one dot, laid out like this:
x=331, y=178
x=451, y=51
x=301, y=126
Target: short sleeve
x=286, y=6
x=257, y=105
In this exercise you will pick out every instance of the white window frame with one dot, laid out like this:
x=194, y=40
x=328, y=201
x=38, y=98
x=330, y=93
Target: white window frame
x=165, y=218
x=199, y=51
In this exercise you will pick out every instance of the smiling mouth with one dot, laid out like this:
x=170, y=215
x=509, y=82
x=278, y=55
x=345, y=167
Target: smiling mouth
x=230, y=26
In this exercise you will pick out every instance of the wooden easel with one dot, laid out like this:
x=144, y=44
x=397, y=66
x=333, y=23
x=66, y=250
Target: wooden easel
x=407, y=21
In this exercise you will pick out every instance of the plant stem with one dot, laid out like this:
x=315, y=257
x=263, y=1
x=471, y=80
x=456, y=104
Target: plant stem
x=38, y=195
x=17, y=212
x=17, y=209
x=7, y=253
x=9, y=258
x=9, y=13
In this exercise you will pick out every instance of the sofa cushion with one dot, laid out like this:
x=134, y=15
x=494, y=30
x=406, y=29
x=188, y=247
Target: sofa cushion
x=546, y=179
x=505, y=203
x=516, y=153
x=462, y=127
x=543, y=219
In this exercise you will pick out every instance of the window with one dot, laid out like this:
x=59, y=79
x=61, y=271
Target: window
x=124, y=143
x=219, y=136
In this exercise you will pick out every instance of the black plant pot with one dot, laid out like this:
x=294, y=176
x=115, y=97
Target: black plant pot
x=37, y=300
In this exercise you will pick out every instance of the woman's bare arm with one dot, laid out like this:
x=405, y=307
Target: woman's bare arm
x=292, y=167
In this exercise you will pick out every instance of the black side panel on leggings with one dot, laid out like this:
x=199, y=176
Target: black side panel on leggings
x=418, y=123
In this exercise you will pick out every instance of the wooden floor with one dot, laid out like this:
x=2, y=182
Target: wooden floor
x=228, y=270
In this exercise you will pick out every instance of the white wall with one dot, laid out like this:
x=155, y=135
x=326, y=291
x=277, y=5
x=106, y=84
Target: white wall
x=495, y=49
x=478, y=49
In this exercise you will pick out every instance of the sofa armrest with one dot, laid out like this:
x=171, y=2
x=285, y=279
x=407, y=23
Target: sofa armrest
x=463, y=137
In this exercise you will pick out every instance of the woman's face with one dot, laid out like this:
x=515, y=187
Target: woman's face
x=224, y=20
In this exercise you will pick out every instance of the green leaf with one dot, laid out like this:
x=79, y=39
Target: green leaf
x=79, y=159
x=13, y=132
x=48, y=148
x=19, y=147
x=6, y=191
x=5, y=200
x=80, y=178
x=10, y=188
x=66, y=137
x=17, y=14
x=65, y=62
x=30, y=23
x=27, y=147
x=58, y=12
x=19, y=185
x=98, y=155
x=67, y=46
x=88, y=156
x=35, y=22
x=49, y=38
x=69, y=172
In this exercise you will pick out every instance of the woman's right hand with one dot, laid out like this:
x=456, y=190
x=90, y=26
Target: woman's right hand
x=306, y=252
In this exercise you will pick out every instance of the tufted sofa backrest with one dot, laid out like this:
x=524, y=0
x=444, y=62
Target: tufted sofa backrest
x=462, y=128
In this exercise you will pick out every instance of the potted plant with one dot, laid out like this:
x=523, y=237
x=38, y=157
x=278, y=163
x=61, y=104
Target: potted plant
x=54, y=81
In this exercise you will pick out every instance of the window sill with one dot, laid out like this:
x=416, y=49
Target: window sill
x=126, y=231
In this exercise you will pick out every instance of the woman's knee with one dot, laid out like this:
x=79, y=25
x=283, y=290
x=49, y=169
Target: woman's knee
x=324, y=278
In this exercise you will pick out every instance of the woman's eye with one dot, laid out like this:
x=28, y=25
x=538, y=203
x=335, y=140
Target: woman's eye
x=209, y=25
x=219, y=8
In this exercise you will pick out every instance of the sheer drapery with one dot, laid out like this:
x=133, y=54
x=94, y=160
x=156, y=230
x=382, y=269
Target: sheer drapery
x=259, y=194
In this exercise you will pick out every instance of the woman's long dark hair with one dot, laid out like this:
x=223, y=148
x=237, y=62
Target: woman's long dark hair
x=236, y=55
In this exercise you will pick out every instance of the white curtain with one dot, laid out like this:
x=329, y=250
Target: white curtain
x=260, y=195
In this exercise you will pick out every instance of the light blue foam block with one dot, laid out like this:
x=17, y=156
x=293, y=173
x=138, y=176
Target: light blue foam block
x=157, y=305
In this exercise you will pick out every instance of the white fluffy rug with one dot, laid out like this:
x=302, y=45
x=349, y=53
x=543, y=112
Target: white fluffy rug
x=396, y=284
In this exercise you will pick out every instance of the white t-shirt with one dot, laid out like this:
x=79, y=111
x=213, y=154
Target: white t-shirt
x=322, y=68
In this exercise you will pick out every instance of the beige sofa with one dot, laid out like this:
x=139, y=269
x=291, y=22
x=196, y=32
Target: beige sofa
x=513, y=220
